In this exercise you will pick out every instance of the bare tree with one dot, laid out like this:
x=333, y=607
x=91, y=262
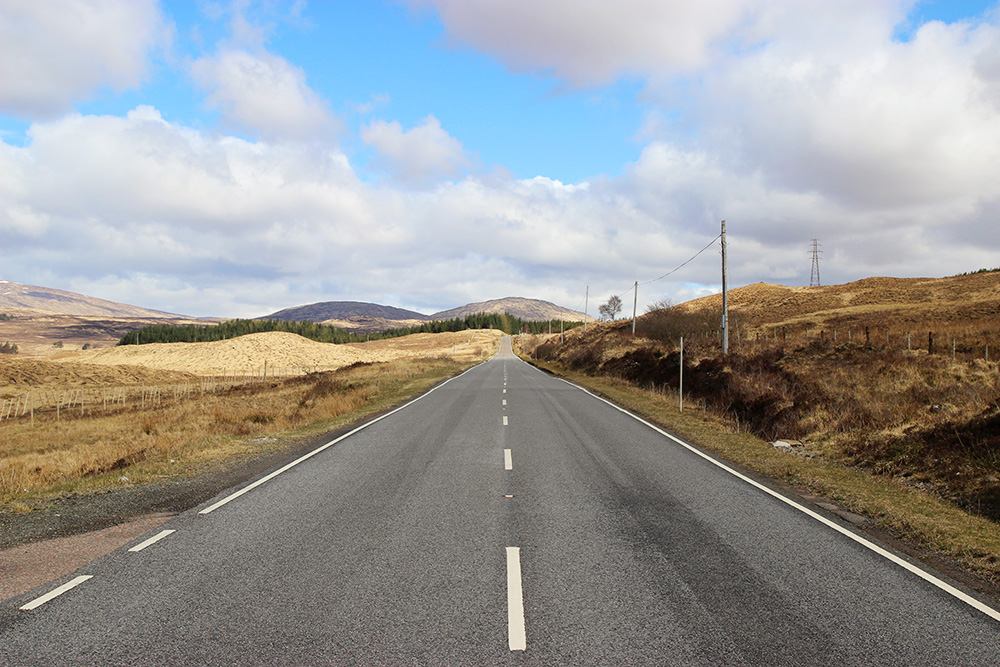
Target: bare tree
x=611, y=308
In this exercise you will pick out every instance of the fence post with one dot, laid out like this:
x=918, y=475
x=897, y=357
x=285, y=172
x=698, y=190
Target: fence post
x=930, y=342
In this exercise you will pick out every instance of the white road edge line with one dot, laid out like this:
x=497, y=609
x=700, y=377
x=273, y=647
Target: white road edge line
x=56, y=592
x=267, y=478
x=906, y=565
x=153, y=540
x=516, y=638
x=508, y=463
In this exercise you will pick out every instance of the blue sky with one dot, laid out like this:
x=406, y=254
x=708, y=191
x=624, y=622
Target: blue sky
x=235, y=158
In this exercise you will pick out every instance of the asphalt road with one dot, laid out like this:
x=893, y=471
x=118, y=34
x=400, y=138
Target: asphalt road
x=506, y=517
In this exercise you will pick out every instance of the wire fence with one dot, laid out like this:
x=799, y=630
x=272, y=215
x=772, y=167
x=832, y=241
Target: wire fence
x=87, y=400
x=963, y=346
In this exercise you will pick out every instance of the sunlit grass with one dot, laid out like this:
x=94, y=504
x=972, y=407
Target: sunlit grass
x=105, y=449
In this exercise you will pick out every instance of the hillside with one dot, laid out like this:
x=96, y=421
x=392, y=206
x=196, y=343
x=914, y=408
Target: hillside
x=250, y=353
x=283, y=353
x=31, y=299
x=914, y=303
x=344, y=311
x=526, y=309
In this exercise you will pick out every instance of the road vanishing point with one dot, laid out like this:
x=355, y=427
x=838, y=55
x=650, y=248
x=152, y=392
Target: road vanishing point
x=506, y=517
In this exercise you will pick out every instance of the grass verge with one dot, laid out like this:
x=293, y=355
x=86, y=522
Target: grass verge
x=179, y=438
x=935, y=527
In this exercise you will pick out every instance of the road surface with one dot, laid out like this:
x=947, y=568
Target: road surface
x=506, y=517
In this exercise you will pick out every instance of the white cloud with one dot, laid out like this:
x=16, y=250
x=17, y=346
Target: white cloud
x=883, y=124
x=420, y=155
x=138, y=203
x=53, y=54
x=588, y=42
x=264, y=94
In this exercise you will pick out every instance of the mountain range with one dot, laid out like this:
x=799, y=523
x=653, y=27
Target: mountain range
x=356, y=316
x=31, y=300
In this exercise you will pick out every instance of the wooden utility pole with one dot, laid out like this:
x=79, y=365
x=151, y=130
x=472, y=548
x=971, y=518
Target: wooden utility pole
x=586, y=299
x=725, y=296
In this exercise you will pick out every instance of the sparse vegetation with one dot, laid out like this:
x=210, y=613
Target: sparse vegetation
x=972, y=273
x=666, y=324
x=4, y=317
x=93, y=450
x=8, y=348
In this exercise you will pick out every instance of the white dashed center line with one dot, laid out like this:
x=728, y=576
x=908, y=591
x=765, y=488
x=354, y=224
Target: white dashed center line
x=515, y=601
x=73, y=583
x=153, y=540
x=508, y=463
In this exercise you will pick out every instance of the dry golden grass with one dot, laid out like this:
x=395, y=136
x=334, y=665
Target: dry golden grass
x=964, y=306
x=469, y=345
x=282, y=353
x=177, y=437
x=142, y=439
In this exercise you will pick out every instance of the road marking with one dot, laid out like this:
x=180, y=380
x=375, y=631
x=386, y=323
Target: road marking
x=505, y=420
x=906, y=565
x=505, y=401
x=505, y=391
x=56, y=592
x=508, y=463
x=262, y=480
x=516, y=638
x=153, y=540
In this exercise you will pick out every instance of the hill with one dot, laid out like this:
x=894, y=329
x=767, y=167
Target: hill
x=282, y=353
x=526, y=309
x=34, y=300
x=897, y=303
x=344, y=311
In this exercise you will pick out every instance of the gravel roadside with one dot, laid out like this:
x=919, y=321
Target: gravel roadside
x=66, y=533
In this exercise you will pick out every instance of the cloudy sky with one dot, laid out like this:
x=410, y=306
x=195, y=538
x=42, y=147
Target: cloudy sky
x=234, y=158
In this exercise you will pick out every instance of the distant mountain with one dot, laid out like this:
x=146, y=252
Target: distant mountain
x=526, y=309
x=344, y=311
x=361, y=317
x=43, y=300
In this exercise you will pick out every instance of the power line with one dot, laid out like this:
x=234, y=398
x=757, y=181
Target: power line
x=679, y=267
